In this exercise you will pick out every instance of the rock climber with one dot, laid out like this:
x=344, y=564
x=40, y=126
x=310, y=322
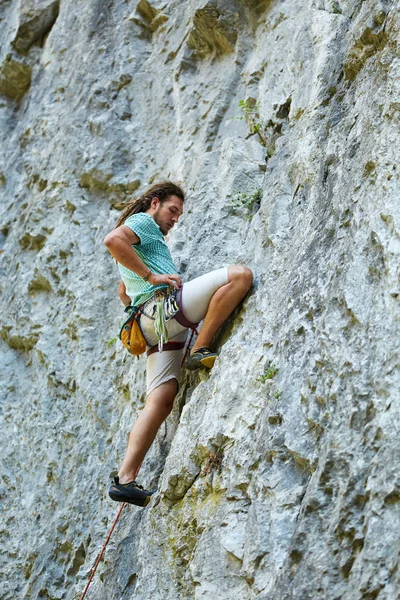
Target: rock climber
x=148, y=274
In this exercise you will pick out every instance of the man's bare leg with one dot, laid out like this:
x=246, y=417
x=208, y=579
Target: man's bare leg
x=157, y=408
x=223, y=303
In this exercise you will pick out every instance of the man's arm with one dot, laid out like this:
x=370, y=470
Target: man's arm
x=119, y=243
x=122, y=294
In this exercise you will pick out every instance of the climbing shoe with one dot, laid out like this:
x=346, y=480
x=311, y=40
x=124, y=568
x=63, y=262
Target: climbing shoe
x=203, y=357
x=131, y=492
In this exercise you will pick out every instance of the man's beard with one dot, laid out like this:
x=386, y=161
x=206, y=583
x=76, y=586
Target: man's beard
x=163, y=231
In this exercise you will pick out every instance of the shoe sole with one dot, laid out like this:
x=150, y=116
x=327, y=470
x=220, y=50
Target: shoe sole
x=207, y=361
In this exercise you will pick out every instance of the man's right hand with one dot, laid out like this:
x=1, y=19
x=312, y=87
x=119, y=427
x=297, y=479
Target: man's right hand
x=170, y=279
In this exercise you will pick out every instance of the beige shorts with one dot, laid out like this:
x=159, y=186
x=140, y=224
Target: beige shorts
x=195, y=298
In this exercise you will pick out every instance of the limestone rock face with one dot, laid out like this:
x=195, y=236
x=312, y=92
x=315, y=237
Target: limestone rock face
x=277, y=473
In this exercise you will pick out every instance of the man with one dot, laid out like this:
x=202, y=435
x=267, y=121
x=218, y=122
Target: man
x=147, y=269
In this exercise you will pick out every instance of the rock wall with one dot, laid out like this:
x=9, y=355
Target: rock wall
x=278, y=471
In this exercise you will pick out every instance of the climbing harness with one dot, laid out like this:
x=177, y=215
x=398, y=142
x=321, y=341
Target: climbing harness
x=98, y=559
x=164, y=305
x=167, y=305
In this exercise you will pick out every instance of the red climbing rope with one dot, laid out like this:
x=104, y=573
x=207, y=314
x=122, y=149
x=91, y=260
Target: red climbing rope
x=194, y=330
x=98, y=559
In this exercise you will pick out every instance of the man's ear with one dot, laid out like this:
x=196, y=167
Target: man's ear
x=155, y=202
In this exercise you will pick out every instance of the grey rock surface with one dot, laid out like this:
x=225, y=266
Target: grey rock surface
x=277, y=473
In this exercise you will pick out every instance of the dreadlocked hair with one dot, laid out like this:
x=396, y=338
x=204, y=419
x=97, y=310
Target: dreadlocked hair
x=161, y=190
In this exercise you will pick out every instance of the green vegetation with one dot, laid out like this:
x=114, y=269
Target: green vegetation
x=243, y=200
x=269, y=374
x=112, y=341
x=250, y=112
x=249, y=107
x=336, y=8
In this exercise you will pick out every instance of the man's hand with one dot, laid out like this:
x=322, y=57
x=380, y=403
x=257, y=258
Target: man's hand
x=172, y=279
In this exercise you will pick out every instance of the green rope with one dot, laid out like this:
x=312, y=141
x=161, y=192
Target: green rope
x=159, y=325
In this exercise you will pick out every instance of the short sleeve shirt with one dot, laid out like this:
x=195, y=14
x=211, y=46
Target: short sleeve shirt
x=153, y=251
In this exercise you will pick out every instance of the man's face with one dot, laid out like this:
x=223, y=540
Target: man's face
x=167, y=213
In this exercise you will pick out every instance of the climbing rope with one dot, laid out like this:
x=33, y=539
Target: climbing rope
x=194, y=330
x=98, y=559
x=160, y=327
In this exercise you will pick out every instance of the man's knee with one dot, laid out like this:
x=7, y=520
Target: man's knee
x=168, y=405
x=242, y=274
x=163, y=406
x=164, y=395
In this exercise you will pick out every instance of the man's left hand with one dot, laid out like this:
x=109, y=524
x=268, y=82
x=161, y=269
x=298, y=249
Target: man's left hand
x=170, y=279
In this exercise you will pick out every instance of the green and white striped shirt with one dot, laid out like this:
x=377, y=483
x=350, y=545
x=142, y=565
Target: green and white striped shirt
x=153, y=251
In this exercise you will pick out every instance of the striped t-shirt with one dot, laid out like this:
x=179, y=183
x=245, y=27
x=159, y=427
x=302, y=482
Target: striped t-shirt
x=153, y=251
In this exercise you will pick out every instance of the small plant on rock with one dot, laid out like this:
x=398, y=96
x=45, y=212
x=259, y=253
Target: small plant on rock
x=269, y=374
x=251, y=114
x=249, y=107
x=248, y=201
